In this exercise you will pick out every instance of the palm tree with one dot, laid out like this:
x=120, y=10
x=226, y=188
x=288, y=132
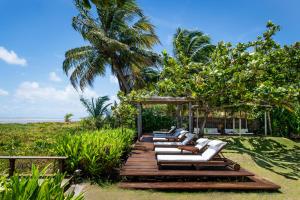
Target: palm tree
x=120, y=36
x=191, y=46
x=97, y=108
x=68, y=117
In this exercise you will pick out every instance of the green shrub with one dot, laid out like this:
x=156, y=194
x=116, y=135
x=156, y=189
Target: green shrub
x=285, y=123
x=31, y=188
x=156, y=118
x=97, y=153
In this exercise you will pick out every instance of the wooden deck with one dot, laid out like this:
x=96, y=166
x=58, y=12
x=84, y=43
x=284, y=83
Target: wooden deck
x=141, y=172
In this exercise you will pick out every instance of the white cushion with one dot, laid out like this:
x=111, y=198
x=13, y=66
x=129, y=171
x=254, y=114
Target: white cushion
x=166, y=137
x=156, y=139
x=180, y=158
x=213, y=148
x=201, y=143
x=171, y=151
x=167, y=143
x=188, y=138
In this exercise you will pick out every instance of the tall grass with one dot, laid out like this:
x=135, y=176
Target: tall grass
x=96, y=153
x=32, y=188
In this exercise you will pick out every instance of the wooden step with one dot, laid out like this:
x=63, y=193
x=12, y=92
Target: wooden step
x=260, y=185
x=155, y=172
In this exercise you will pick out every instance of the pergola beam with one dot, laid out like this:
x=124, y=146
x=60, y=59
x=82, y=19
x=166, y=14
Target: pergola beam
x=139, y=121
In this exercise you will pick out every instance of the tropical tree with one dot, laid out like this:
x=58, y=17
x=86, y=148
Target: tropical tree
x=257, y=73
x=68, y=117
x=119, y=36
x=97, y=109
x=191, y=46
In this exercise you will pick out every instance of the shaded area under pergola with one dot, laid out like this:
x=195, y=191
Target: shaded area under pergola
x=163, y=100
x=191, y=108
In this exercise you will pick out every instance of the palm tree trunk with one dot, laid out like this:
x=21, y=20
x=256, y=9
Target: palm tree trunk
x=124, y=85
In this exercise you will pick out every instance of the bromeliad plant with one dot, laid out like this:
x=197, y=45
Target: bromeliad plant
x=31, y=188
x=96, y=153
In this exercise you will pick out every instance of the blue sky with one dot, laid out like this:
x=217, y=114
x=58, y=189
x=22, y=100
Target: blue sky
x=34, y=35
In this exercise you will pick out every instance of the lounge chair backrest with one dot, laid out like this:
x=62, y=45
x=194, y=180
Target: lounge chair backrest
x=182, y=134
x=214, y=147
x=173, y=128
x=189, y=137
x=201, y=143
x=177, y=132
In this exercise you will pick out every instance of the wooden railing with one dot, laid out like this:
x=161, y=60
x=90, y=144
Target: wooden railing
x=12, y=161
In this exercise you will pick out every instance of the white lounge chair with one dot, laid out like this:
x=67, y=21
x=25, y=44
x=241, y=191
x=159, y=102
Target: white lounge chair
x=201, y=143
x=210, y=157
x=178, y=136
x=173, y=128
x=176, y=132
x=187, y=140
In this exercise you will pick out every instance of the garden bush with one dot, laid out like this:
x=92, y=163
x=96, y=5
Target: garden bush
x=31, y=188
x=156, y=118
x=96, y=153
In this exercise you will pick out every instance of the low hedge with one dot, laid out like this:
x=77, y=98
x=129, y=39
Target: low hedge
x=96, y=153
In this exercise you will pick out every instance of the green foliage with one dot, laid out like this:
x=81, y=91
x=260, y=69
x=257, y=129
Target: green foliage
x=96, y=153
x=31, y=188
x=97, y=109
x=260, y=72
x=68, y=117
x=34, y=139
x=285, y=123
x=119, y=36
x=191, y=46
x=156, y=118
x=124, y=113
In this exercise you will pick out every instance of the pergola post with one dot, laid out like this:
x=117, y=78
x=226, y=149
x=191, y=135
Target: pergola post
x=190, y=118
x=233, y=122
x=178, y=116
x=266, y=127
x=139, y=120
x=197, y=125
x=225, y=120
x=246, y=120
x=240, y=124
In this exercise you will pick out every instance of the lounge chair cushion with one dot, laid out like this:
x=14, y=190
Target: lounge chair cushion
x=181, y=134
x=188, y=138
x=179, y=158
x=184, y=142
x=167, y=143
x=214, y=147
x=201, y=143
x=175, y=134
x=171, y=151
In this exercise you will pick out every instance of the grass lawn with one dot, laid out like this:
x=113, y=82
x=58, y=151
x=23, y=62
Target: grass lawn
x=276, y=159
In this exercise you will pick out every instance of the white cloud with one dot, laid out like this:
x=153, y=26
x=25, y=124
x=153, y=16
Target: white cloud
x=11, y=57
x=33, y=92
x=54, y=77
x=113, y=79
x=3, y=92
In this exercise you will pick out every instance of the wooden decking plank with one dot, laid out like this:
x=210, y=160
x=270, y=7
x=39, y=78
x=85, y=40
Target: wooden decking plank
x=198, y=185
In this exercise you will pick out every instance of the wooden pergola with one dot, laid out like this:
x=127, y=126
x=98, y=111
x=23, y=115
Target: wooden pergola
x=163, y=100
x=185, y=100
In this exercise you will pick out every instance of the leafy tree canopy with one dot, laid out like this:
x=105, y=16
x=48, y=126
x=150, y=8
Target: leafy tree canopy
x=260, y=72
